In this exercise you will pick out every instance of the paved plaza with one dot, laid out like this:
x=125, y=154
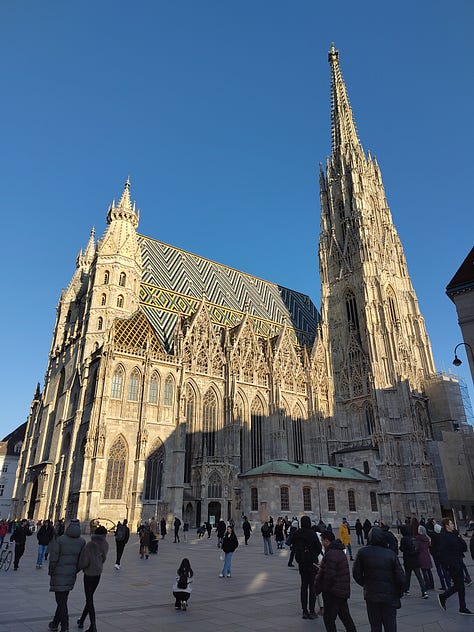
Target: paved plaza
x=263, y=594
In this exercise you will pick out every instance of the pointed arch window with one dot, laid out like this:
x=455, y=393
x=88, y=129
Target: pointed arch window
x=117, y=383
x=214, y=488
x=154, y=473
x=256, y=433
x=209, y=423
x=369, y=419
x=298, y=435
x=133, y=386
x=331, y=499
x=153, y=390
x=116, y=462
x=254, y=499
x=100, y=323
x=106, y=277
x=168, y=391
x=103, y=299
x=392, y=306
x=351, y=311
x=189, y=444
x=122, y=279
x=373, y=501
x=119, y=300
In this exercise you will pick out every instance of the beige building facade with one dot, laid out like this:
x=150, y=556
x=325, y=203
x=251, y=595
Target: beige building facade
x=172, y=379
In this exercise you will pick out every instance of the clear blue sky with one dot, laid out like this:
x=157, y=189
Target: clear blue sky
x=219, y=111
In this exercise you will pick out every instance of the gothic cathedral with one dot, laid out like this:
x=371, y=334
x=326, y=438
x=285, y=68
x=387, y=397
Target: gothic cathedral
x=173, y=380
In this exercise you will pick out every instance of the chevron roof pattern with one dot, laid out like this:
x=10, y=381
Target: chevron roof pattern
x=175, y=281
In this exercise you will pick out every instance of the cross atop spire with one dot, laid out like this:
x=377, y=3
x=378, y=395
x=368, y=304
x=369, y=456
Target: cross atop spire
x=344, y=133
x=124, y=209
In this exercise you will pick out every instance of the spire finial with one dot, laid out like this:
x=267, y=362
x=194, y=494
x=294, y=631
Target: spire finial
x=124, y=209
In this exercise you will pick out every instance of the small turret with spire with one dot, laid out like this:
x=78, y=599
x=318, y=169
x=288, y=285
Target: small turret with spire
x=124, y=210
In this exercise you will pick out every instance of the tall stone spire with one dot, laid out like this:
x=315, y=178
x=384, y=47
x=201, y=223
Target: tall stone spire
x=124, y=209
x=344, y=133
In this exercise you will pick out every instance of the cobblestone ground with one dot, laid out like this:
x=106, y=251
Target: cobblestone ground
x=263, y=594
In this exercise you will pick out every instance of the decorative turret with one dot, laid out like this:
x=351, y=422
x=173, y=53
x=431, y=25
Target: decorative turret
x=124, y=210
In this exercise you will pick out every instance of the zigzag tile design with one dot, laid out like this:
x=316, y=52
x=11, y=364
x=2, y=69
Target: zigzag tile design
x=174, y=281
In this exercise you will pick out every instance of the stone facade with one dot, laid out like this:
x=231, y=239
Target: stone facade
x=171, y=379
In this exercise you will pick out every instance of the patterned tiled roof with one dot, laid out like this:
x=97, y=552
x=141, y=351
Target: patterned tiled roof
x=288, y=468
x=174, y=282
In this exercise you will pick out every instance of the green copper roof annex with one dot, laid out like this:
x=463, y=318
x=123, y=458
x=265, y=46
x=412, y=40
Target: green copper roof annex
x=287, y=468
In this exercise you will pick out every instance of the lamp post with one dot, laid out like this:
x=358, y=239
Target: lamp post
x=457, y=361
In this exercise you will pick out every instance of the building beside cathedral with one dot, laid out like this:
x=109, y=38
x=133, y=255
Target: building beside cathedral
x=177, y=385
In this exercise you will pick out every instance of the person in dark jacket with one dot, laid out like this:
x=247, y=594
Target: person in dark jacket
x=229, y=544
x=163, y=528
x=19, y=535
x=390, y=540
x=63, y=557
x=176, y=525
x=307, y=549
x=144, y=535
x=220, y=530
x=378, y=570
x=44, y=536
x=247, y=529
x=443, y=573
x=334, y=582
x=122, y=536
x=366, y=527
x=424, y=557
x=411, y=563
x=182, y=586
x=91, y=561
x=289, y=541
x=452, y=548
x=471, y=545
x=359, y=531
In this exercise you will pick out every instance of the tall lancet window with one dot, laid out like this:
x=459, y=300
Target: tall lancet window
x=154, y=473
x=351, y=310
x=391, y=306
x=189, y=447
x=116, y=469
x=256, y=433
x=209, y=423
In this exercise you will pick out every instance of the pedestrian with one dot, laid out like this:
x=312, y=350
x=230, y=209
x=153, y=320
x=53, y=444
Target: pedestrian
x=345, y=537
x=247, y=529
x=424, y=557
x=307, y=549
x=220, y=530
x=144, y=535
x=19, y=535
x=3, y=531
x=334, y=582
x=182, y=586
x=390, y=539
x=185, y=530
x=176, y=525
x=208, y=529
x=289, y=541
x=411, y=563
x=44, y=536
x=122, y=535
x=442, y=571
x=398, y=524
x=64, y=554
x=153, y=535
x=60, y=528
x=163, y=528
x=91, y=562
x=378, y=571
x=229, y=544
x=267, y=538
x=359, y=531
x=452, y=548
x=279, y=537
x=366, y=527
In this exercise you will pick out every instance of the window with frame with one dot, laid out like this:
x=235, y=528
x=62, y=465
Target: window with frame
x=253, y=499
x=122, y=279
x=168, y=391
x=214, y=487
x=100, y=323
x=5, y=468
x=116, y=462
x=153, y=391
x=256, y=433
x=119, y=300
x=351, y=309
x=373, y=501
x=366, y=467
x=117, y=383
x=331, y=499
x=133, y=386
x=209, y=423
x=284, y=498
x=2, y=489
x=103, y=299
x=352, y=500
x=106, y=277
x=154, y=473
x=307, y=505
x=189, y=444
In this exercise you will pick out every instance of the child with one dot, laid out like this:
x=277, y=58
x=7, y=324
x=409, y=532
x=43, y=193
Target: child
x=182, y=586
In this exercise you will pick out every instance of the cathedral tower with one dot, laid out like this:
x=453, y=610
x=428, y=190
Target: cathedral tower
x=380, y=352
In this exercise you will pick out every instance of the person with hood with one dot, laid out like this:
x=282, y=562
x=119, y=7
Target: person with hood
x=452, y=548
x=267, y=538
x=19, y=535
x=247, y=529
x=163, y=528
x=176, y=525
x=411, y=563
x=220, y=530
x=307, y=549
x=279, y=536
x=289, y=541
x=91, y=561
x=359, y=531
x=390, y=539
x=443, y=574
x=378, y=571
x=44, y=536
x=424, y=557
x=334, y=582
x=345, y=536
x=122, y=535
x=366, y=527
x=64, y=554
x=229, y=544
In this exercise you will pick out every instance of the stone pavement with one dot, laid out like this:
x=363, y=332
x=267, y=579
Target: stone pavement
x=263, y=594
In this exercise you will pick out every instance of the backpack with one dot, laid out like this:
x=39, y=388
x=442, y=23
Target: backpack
x=304, y=555
x=183, y=581
x=120, y=533
x=411, y=546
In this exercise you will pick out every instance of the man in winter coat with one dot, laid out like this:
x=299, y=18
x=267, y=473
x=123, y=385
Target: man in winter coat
x=176, y=524
x=44, y=536
x=345, y=536
x=307, y=549
x=122, y=535
x=378, y=570
x=452, y=548
x=359, y=531
x=91, y=561
x=366, y=527
x=334, y=582
x=220, y=529
x=247, y=529
x=19, y=536
x=64, y=554
x=411, y=562
x=390, y=539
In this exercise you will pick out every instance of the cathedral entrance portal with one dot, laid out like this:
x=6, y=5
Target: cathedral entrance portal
x=33, y=498
x=214, y=511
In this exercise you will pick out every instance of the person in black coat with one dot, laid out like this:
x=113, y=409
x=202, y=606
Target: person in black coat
x=378, y=570
x=366, y=527
x=359, y=531
x=19, y=536
x=307, y=549
x=411, y=562
x=229, y=544
x=334, y=582
x=247, y=529
x=122, y=536
x=390, y=539
x=44, y=536
x=452, y=549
